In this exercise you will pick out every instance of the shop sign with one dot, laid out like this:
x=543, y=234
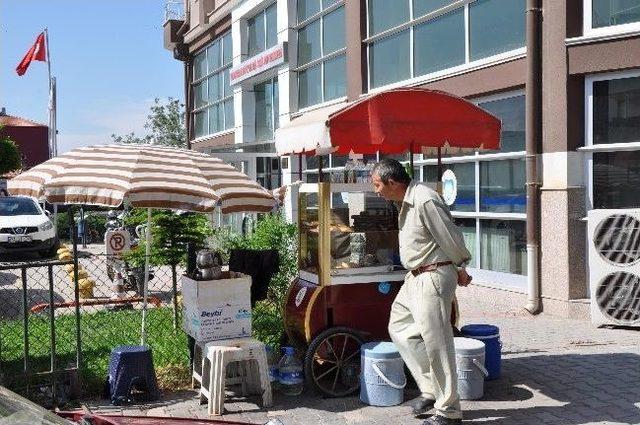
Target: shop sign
x=259, y=63
x=449, y=187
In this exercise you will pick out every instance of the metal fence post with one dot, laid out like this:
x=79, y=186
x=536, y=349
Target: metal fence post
x=174, y=281
x=52, y=320
x=25, y=324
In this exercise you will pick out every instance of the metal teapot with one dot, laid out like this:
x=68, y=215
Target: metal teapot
x=209, y=264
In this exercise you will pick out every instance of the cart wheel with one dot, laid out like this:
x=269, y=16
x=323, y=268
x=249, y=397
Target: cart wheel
x=332, y=362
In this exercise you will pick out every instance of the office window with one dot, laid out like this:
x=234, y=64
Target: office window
x=267, y=117
x=615, y=120
x=497, y=244
x=432, y=35
x=212, y=95
x=262, y=30
x=606, y=13
x=321, y=64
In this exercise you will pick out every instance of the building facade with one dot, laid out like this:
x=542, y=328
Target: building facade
x=254, y=65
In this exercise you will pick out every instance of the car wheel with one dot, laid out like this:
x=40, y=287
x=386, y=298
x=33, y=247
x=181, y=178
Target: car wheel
x=51, y=252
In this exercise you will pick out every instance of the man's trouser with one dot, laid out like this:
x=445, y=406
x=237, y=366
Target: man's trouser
x=420, y=327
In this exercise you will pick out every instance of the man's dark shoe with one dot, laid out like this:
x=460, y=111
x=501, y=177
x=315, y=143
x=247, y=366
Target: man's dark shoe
x=441, y=420
x=422, y=405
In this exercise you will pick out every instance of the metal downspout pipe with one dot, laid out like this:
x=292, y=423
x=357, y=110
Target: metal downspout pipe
x=533, y=125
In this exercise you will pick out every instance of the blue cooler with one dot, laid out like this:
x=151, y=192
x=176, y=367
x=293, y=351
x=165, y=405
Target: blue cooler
x=382, y=379
x=490, y=335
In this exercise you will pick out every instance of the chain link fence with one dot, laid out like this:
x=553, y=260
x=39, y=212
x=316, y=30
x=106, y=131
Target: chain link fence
x=49, y=342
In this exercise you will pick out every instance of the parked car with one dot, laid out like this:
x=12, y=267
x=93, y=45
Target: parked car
x=17, y=410
x=25, y=227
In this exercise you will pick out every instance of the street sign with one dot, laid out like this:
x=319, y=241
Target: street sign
x=117, y=242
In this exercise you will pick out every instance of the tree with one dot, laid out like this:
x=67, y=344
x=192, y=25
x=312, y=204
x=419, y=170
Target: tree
x=165, y=125
x=10, y=158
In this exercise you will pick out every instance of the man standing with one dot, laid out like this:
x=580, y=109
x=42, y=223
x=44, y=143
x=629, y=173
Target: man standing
x=432, y=249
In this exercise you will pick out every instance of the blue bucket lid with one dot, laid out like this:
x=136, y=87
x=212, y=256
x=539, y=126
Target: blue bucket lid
x=480, y=329
x=380, y=350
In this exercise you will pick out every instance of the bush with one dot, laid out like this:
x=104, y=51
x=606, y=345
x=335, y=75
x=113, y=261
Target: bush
x=272, y=231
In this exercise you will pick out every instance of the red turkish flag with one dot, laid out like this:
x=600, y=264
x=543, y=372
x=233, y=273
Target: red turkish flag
x=37, y=52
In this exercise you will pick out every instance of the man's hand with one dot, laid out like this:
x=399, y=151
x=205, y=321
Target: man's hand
x=463, y=277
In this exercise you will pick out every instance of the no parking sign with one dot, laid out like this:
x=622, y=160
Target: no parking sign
x=117, y=242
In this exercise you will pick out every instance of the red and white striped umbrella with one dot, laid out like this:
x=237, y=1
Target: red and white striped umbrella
x=148, y=176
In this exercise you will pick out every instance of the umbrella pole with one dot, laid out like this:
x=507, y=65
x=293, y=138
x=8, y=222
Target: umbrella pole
x=439, y=182
x=145, y=291
x=411, y=160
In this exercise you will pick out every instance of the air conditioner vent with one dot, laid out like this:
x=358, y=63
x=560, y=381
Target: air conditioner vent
x=617, y=239
x=618, y=297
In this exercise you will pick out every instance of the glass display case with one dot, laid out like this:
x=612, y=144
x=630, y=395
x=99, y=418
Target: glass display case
x=348, y=234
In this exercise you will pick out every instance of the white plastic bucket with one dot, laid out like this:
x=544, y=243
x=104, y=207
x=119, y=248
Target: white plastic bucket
x=471, y=370
x=382, y=380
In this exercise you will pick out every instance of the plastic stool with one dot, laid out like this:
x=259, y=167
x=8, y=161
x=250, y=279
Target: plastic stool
x=255, y=379
x=131, y=367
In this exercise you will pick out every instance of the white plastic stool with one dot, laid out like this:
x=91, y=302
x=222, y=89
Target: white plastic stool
x=218, y=354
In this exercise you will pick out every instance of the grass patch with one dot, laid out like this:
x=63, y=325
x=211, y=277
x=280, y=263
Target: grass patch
x=100, y=333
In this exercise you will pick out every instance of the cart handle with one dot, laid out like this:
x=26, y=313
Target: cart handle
x=375, y=367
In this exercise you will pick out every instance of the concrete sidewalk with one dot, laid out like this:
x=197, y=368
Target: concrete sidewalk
x=554, y=371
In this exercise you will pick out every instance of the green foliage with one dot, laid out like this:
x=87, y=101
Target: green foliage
x=165, y=125
x=62, y=225
x=271, y=232
x=170, y=233
x=10, y=158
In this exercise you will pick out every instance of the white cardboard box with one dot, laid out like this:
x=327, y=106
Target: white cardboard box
x=217, y=309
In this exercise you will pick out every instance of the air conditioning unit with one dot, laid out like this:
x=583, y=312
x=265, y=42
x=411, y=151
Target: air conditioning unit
x=614, y=266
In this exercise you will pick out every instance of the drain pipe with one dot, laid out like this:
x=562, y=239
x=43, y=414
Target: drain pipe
x=533, y=124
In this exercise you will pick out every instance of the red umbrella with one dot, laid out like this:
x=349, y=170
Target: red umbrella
x=412, y=119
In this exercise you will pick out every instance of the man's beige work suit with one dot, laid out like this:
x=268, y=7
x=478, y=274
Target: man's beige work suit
x=420, y=323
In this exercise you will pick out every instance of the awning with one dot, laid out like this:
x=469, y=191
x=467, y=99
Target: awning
x=306, y=134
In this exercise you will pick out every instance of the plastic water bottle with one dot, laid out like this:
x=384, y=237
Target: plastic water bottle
x=272, y=361
x=290, y=373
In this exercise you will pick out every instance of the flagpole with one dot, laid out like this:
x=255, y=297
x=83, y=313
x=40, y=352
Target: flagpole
x=53, y=149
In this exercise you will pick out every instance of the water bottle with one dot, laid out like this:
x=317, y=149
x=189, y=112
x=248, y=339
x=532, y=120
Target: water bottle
x=272, y=361
x=290, y=373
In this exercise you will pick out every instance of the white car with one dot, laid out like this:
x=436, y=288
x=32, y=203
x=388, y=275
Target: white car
x=25, y=227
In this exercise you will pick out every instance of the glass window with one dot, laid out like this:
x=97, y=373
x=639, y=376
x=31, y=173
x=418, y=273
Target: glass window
x=321, y=39
x=309, y=43
x=511, y=112
x=228, y=48
x=614, y=12
x=213, y=101
x=307, y=8
x=389, y=59
x=256, y=36
x=385, y=14
x=214, y=57
x=495, y=26
x=468, y=229
x=616, y=111
x=262, y=30
x=439, y=43
x=502, y=186
x=200, y=123
x=271, y=17
x=200, y=66
x=228, y=113
x=215, y=89
x=422, y=7
x=335, y=84
x=616, y=179
x=466, y=177
x=309, y=86
x=333, y=36
x=200, y=94
x=503, y=246
x=266, y=109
